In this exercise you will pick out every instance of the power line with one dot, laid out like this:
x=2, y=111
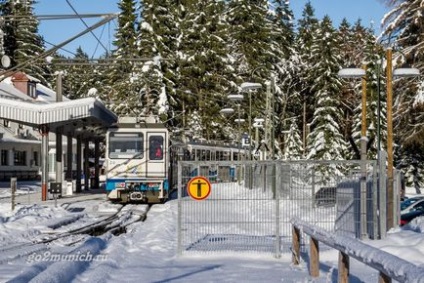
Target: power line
x=57, y=17
x=85, y=24
x=54, y=49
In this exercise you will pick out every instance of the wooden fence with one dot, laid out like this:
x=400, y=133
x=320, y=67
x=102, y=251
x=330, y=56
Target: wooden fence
x=389, y=266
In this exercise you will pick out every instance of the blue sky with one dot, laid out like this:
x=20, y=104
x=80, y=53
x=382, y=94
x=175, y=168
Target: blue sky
x=57, y=31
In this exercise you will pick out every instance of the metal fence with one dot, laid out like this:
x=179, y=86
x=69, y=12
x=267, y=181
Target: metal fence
x=251, y=203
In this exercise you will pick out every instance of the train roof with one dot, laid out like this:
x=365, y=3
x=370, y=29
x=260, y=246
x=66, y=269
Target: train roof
x=207, y=145
x=148, y=122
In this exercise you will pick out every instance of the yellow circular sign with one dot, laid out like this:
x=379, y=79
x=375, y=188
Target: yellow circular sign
x=199, y=188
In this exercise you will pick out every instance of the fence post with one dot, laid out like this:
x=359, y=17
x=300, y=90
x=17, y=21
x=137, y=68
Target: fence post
x=375, y=234
x=343, y=276
x=179, y=204
x=277, y=210
x=313, y=186
x=383, y=194
x=296, y=246
x=13, y=188
x=314, y=258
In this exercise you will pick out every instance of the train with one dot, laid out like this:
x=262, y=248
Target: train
x=142, y=155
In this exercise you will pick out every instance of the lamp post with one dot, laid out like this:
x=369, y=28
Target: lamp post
x=390, y=73
x=401, y=72
x=249, y=87
x=257, y=125
x=360, y=73
x=237, y=98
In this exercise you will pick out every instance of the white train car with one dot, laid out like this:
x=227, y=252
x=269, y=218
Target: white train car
x=136, y=161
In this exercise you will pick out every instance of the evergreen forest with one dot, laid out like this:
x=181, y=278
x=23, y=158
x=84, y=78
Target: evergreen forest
x=180, y=60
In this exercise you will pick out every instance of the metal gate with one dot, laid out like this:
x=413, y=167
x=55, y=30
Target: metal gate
x=251, y=203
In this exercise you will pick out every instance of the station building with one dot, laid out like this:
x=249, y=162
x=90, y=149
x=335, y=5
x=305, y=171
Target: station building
x=29, y=111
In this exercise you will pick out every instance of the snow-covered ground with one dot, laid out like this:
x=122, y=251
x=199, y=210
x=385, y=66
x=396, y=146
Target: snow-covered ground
x=147, y=251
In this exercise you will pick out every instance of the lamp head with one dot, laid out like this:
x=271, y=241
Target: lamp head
x=227, y=111
x=250, y=86
x=235, y=97
x=351, y=73
x=405, y=72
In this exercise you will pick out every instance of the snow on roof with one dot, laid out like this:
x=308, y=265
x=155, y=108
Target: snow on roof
x=10, y=92
x=53, y=113
x=46, y=94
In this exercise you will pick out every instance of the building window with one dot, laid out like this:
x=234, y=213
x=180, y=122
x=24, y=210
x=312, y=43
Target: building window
x=19, y=158
x=35, y=158
x=32, y=91
x=4, y=157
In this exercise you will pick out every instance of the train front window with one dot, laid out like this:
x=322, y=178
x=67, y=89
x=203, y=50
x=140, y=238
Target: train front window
x=155, y=147
x=126, y=145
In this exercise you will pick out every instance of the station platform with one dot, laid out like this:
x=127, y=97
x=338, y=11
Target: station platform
x=29, y=193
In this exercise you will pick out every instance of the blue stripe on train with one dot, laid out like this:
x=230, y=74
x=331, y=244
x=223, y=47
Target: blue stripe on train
x=111, y=184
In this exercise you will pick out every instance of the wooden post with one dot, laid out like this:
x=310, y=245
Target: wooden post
x=383, y=278
x=343, y=268
x=13, y=193
x=314, y=258
x=389, y=112
x=296, y=246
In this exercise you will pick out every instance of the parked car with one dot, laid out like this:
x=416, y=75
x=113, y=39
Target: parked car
x=408, y=216
x=411, y=204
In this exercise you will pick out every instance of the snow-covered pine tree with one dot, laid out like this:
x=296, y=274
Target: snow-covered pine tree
x=403, y=26
x=149, y=74
x=22, y=42
x=308, y=27
x=326, y=139
x=121, y=77
x=204, y=64
x=293, y=149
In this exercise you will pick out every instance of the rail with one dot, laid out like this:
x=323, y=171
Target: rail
x=389, y=266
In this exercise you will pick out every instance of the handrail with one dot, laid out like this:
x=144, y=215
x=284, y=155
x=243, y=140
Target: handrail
x=389, y=266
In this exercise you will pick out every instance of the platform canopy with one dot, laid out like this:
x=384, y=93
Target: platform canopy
x=86, y=114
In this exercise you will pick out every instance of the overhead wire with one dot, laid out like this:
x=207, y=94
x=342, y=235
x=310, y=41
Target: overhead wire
x=97, y=45
x=92, y=33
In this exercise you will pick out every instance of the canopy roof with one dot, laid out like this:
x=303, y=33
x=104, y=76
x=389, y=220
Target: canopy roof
x=87, y=114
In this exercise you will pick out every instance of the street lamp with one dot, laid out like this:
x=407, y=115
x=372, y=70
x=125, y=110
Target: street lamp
x=257, y=125
x=237, y=98
x=226, y=111
x=401, y=72
x=249, y=87
x=360, y=73
x=390, y=74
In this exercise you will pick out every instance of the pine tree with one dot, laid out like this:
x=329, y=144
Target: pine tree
x=285, y=67
x=125, y=87
x=293, y=149
x=22, y=42
x=76, y=82
x=158, y=43
x=251, y=49
x=208, y=80
x=327, y=141
x=404, y=28
x=308, y=27
x=150, y=76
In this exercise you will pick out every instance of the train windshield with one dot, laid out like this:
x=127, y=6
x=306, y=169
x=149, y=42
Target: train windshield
x=126, y=145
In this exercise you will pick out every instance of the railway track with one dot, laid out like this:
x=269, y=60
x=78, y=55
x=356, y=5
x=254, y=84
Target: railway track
x=115, y=224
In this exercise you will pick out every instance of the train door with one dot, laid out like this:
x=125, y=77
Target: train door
x=156, y=155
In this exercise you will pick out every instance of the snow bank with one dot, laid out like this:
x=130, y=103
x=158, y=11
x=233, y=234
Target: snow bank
x=58, y=268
